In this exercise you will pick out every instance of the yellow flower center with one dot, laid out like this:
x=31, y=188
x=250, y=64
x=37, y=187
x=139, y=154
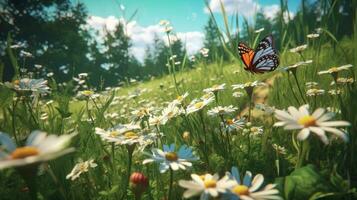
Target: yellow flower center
x=114, y=134
x=206, y=96
x=170, y=114
x=87, y=92
x=198, y=105
x=229, y=121
x=333, y=69
x=210, y=183
x=16, y=82
x=130, y=135
x=171, y=156
x=179, y=98
x=247, y=84
x=23, y=152
x=254, y=129
x=241, y=190
x=307, y=121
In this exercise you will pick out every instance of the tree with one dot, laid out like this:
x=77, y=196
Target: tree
x=51, y=31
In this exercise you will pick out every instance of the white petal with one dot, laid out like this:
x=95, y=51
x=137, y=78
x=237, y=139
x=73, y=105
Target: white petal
x=303, y=134
x=257, y=182
x=320, y=133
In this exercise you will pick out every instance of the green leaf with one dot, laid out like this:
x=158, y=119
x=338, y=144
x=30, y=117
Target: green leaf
x=303, y=183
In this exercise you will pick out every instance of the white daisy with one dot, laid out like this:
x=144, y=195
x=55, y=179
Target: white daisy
x=197, y=105
x=313, y=35
x=335, y=70
x=314, y=92
x=249, y=189
x=179, y=99
x=215, y=88
x=39, y=148
x=222, y=110
x=29, y=86
x=206, y=186
x=169, y=159
x=298, y=49
x=81, y=167
x=317, y=122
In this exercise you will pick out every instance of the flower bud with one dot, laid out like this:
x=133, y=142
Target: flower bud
x=138, y=183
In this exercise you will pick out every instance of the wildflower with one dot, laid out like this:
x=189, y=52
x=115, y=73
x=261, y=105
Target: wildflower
x=197, y=105
x=38, y=66
x=293, y=68
x=180, y=99
x=206, y=186
x=335, y=70
x=186, y=135
x=298, y=49
x=156, y=121
x=25, y=54
x=256, y=130
x=164, y=23
x=86, y=93
x=26, y=86
x=192, y=58
x=112, y=134
x=248, y=86
x=259, y=30
x=343, y=81
x=50, y=74
x=138, y=183
x=268, y=110
x=204, y=52
x=237, y=94
x=215, y=88
x=222, y=110
x=83, y=75
x=81, y=167
x=279, y=149
x=317, y=122
x=169, y=159
x=249, y=189
x=313, y=35
x=311, y=84
x=171, y=112
x=315, y=92
x=334, y=92
x=142, y=113
x=39, y=148
x=168, y=29
x=234, y=124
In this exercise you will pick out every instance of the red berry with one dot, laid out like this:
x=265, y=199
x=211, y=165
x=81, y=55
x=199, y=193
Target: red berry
x=138, y=178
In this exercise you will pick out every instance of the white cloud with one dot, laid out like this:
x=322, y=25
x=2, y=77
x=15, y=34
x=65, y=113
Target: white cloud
x=143, y=36
x=243, y=7
x=193, y=41
x=271, y=11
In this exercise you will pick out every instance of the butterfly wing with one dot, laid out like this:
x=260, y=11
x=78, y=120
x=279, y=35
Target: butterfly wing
x=246, y=54
x=265, y=58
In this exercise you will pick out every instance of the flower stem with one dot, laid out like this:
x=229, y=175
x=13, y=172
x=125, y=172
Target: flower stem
x=13, y=120
x=170, y=186
x=205, y=137
x=304, y=154
x=130, y=158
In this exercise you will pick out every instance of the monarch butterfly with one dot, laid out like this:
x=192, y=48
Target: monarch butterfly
x=263, y=59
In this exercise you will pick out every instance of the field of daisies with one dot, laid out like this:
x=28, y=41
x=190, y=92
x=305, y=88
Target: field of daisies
x=213, y=132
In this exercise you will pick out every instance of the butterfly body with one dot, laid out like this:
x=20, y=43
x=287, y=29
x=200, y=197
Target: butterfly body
x=263, y=59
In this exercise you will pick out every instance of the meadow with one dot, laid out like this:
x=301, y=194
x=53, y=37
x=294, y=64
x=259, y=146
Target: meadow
x=215, y=131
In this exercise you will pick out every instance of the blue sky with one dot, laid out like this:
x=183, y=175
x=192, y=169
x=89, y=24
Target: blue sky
x=188, y=17
x=185, y=15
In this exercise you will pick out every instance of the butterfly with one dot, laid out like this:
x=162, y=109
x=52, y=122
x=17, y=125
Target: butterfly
x=263, y=59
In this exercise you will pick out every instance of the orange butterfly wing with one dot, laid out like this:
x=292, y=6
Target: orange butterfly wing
x=247, y=55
